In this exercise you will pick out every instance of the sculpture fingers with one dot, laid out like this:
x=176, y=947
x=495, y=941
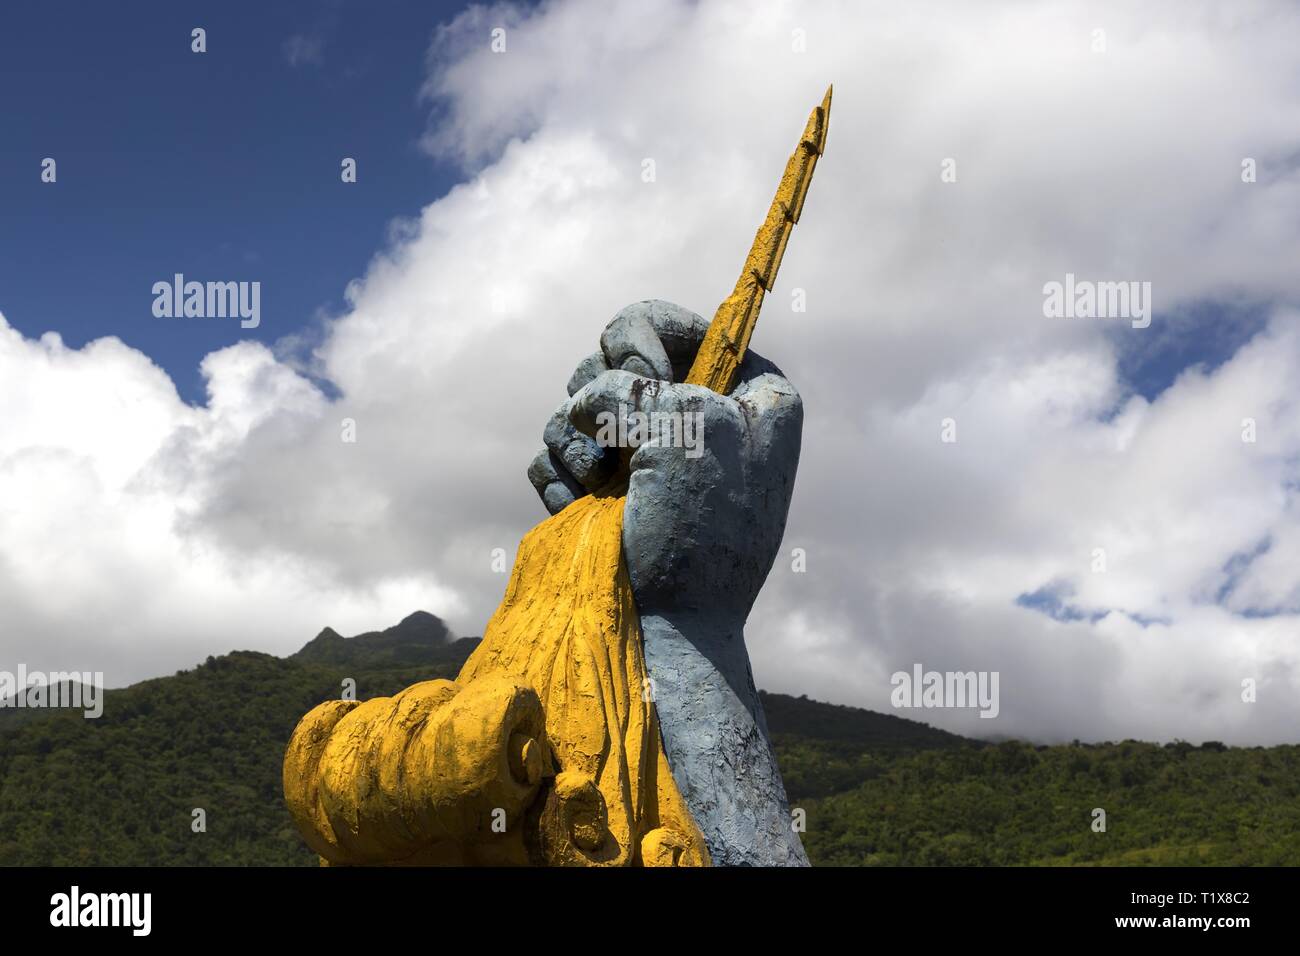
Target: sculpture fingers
x=773, y=414
x=768, y=394
x=630, y=343
x=579, y=454
x=555, y=486
x=587, y=369
x=609, y=401
x=680, y=332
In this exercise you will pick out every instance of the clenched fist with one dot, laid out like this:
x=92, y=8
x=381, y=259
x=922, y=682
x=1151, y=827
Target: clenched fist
x=710, y=486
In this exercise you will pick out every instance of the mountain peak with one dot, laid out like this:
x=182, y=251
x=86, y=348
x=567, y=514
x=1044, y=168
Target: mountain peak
x=422, y=620
x=419, y=638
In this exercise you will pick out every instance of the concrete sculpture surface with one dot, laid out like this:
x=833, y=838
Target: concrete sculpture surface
x=609, y=716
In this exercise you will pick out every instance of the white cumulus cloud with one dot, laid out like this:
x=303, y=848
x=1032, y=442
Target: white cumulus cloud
x=140, y=531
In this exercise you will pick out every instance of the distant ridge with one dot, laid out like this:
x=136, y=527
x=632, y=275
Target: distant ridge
x=419, y=638
x=865, y=729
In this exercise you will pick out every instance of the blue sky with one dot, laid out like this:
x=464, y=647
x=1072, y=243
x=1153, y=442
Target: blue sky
x=1203, y=335
x=225, y=166
x=222, y=165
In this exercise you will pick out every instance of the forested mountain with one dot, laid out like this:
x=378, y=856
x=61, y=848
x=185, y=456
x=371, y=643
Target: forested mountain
x=875, y=788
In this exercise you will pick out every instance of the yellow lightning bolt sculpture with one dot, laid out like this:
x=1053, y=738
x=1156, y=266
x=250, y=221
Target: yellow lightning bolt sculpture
x=545, y=750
